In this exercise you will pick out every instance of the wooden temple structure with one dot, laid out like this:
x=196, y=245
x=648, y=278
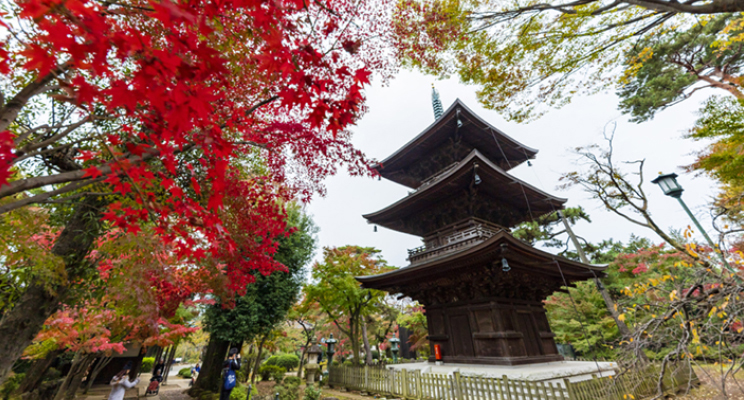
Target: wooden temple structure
x=482, y=288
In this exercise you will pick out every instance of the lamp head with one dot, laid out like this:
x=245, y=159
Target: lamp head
x=669, y=185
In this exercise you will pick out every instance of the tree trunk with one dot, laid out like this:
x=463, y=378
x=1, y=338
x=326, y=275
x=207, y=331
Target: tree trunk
x=304, y=353
x=75, y=377
x=169, y=362
x=27, y=317
x=211, y=368
x=36, y=373
x=609, y=302
x=137, y=365
x=367, y=348
x=97, y=370
x=258, y=359
x=625, y=332
x=356, y=350
x=249, y=362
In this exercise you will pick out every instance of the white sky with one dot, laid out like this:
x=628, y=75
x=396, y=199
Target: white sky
x=400, y=111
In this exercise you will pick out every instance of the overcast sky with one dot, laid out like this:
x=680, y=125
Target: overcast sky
x=400, y=111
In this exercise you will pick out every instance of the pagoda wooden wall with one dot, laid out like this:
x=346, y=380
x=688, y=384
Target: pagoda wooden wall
x=495, y=331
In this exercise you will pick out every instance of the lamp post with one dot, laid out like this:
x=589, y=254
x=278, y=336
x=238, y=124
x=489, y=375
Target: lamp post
x=330, y=342
x=394, y=347
x=669, y=185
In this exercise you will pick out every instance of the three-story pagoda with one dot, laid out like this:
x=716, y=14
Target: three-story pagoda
x=482, y=288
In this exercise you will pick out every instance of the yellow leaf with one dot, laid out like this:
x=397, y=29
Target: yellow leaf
x=621, y=317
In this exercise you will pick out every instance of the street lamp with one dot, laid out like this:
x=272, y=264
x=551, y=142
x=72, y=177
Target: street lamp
x=331, y=351
x=671, y=188
x=394, y=347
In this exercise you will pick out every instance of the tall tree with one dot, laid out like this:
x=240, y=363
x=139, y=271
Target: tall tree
x=528, y=56
x=265, y=303
x=661, y=70
x=144, y=112
x=340, y=296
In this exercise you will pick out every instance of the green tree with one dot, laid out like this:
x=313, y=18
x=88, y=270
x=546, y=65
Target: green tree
x=661, y=70
x=340, y=296
x=722, y=120
x=548, y=229
x=265, y=303
x=527, y=56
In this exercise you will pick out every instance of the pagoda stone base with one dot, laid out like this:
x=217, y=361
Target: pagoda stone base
x=574, y=371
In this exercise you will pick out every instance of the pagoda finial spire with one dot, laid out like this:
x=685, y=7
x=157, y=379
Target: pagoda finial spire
x=436, y=103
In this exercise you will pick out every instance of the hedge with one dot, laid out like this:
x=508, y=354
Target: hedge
x=286, y=361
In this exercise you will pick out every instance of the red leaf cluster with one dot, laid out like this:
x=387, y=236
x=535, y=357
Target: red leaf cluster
x=199, y=87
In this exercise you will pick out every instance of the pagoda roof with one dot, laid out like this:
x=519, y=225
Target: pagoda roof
x=475, y=132
x=521, y=257
x=508, y=199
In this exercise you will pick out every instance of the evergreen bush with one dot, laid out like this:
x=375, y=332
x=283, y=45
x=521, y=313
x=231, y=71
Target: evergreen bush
x=52, y=374
x=272, y=371
x=184, y=372
x=312, y=393
x=11, y=384
x=292, y=380
x=147, y=364
x=290, y=390
x=286, y=361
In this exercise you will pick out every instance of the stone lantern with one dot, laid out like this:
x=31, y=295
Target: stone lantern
x=312, y=368
x=330, y=342
x=394, y=347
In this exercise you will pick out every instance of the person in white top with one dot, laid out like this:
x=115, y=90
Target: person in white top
x=120, y=384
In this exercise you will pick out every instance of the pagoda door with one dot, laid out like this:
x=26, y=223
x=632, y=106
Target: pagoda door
x=462, y=335
x=528, y=327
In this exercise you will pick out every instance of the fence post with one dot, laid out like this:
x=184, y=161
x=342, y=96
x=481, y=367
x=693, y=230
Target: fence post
x=404, y=383
x=419, y=393
x=365, y=388
x=507, y=389
x=458, y=386
x=569, y=389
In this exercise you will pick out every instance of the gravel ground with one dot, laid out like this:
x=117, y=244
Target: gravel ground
x=174, y=395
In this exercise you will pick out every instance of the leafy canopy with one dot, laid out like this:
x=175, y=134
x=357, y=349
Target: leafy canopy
x=267, y=301
x=661, y=70
x=528, y=56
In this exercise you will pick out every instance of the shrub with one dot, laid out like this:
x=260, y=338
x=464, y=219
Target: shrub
x=290, y=390
x=245, y=371
x=241, y=392
x=292, y=380
x=312, y=393
x=52, y=374
x=147, y=364
x=184, y=372
x=11, y=384
x=286, y=361
x=272, y=371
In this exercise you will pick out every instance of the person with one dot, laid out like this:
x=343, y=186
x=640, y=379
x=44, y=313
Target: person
x=194, y=374
x=154, y=386
x=160, y=365
x=229, y=376
x=121, y=383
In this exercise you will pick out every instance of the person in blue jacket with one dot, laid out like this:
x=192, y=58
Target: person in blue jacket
x=229, y=375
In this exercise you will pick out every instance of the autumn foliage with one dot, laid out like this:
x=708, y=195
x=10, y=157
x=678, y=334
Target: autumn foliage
x=194, y=88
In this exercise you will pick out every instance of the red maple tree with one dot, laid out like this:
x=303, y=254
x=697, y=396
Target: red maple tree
x=165, y=111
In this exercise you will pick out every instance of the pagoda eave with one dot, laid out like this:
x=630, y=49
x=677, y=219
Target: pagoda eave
x=496, y=145
x=520, y=256
x=518, y=200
